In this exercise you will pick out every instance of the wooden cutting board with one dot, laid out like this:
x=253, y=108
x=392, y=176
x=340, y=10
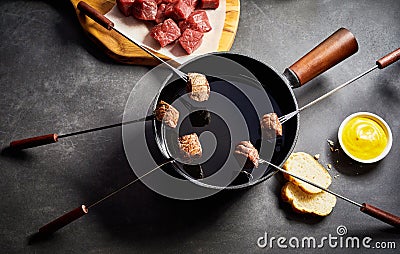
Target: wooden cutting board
x=123, y=51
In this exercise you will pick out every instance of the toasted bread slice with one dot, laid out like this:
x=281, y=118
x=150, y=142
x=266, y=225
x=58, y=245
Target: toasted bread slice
x=305, y=166
x=318, y=204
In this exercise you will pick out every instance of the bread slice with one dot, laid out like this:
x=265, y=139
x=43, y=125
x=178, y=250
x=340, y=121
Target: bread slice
x=305, y=166
x=318, y=204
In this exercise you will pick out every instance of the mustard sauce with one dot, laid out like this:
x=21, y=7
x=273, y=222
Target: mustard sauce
x=364, y=138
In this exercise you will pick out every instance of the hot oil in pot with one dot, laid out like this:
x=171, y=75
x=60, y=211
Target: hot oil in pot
x=219, y=118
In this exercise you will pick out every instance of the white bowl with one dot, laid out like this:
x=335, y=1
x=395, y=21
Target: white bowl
x=377, y=119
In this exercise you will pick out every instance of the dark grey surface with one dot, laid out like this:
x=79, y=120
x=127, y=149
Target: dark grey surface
x=53, y=79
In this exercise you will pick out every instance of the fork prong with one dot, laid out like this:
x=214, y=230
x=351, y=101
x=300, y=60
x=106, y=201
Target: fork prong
x=182, y=75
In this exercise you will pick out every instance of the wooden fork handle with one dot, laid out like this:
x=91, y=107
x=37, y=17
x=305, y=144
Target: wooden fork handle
x=381, y=215
x=64, y=220
x=390, y=58
x=95, y=15
x=33, y=142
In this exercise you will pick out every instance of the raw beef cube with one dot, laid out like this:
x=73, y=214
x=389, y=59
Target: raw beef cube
x=178, y=11
x=209, y=4
x=197, y=21
x=191, y=3
x=191, y=40
x=144, y=9
x=169, y=10
x=159, y=2
x=165, y=32
x=169, y=1
x=160, y=17
x=125, y=6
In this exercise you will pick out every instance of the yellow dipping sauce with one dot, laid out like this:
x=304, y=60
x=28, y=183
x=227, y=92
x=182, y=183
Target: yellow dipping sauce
x=364, y=137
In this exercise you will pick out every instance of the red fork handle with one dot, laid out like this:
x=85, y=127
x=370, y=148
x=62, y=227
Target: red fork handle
x=95, y=15
x=64, y=220
x=33, y=142
x=381, y=215
x=388, y=59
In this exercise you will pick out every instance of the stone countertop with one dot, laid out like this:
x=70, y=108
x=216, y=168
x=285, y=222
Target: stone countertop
x=54, y=79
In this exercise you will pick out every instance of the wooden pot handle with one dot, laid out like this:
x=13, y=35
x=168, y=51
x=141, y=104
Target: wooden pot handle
x=64, y=220
x=95, y=15
x=381, y=214
x=33, y=142
x=327, y=54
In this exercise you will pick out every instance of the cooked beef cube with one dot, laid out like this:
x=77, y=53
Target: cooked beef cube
x=198, y=86
x=165, y=32
x=144, y=9
x=191, y=40
x=197, y=21
x=246, y=153
x=190, y=146
x=167, y=114
x=178, y=10
x=125, y=6
x=209, y=4
x=270, y=126
x=160, y=17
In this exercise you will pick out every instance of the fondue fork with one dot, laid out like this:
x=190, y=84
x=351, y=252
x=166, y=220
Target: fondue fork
x=380, y=64
x=82, y=210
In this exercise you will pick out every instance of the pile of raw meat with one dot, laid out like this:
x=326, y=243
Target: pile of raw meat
x=182, y=20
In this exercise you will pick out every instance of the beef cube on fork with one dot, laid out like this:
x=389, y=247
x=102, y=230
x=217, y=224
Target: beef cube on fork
x=190, y=147
x=198, y=87
x=167, y=113
x=271, y=127
x=247, y=155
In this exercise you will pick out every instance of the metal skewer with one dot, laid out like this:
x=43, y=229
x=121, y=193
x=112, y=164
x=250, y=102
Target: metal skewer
x=309, y=182
x=83, y=209
x=54, y=137
x=381, y=63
